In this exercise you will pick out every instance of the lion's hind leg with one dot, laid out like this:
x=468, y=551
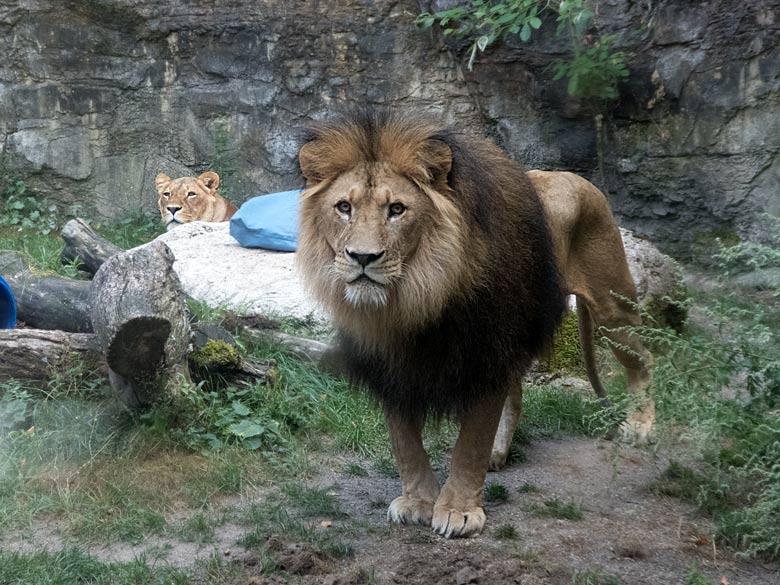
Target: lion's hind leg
x=420, y=488
x=510, y=415
x=615, y=316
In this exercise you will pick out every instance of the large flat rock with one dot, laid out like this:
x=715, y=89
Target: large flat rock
x=216, y=270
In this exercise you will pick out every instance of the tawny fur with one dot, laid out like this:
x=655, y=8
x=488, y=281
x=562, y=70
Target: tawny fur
x=197, y=198
x=432, y=253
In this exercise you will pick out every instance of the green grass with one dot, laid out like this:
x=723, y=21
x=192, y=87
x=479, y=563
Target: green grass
x=293, y=515
x=496, y=492
x=694, y=577
x=556, y=508
x=505, y=532
x=198, y=528
x=591, y=577
x=42, y=252
x=73, y=566
x=528, y=488
x=355, y=470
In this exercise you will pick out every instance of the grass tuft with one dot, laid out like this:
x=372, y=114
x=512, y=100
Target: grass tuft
x=556, y=508
x=496, y=492
x=505, y=532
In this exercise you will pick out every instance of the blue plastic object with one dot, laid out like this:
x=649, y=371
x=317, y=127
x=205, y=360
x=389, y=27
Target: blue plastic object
x=7, y=306
x=268, y=221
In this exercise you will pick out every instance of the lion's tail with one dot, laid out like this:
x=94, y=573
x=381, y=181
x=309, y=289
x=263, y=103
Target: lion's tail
x=587, y=343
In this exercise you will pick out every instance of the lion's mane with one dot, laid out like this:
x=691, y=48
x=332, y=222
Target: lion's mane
x=484, y=296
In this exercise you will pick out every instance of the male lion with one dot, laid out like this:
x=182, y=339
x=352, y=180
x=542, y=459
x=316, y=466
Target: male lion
x=592, y=263
x=191, y=199
x=431, y=251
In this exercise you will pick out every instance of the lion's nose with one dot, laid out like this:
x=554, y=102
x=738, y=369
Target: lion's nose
x=173, y=209
x=364, y=259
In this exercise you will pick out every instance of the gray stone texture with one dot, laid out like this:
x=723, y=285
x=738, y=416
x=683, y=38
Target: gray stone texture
x=98, y=96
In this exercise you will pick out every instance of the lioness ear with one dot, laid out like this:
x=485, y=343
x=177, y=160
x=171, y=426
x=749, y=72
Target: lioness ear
x=210, y=179
x=161, y=181
x=307, y=158
x=437, y=157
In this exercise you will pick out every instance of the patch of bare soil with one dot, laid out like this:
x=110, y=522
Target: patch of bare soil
x=627, y=532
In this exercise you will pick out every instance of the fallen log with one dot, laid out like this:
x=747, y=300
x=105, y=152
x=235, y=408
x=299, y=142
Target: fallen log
x=83, y=244
x=305, y=349
x=51, y=302
x=140, y=321
x=36, y=355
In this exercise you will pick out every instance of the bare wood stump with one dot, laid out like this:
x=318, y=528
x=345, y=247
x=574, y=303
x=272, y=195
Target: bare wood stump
x=52, y=302
x=84, y=243
x=36, y=354
x=140, y=321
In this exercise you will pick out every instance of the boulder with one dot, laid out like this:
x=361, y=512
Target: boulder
x=216, y=270
x=659, y=281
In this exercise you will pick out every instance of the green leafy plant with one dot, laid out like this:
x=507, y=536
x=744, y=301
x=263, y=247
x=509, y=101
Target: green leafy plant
x=23, y=210
x=717, y=391
x=594, y=69
x=213, y=419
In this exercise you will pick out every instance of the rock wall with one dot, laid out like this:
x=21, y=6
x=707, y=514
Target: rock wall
x=98, y=96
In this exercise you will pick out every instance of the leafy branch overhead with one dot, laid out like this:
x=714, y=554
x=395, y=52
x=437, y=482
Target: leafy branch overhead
x=593, y=70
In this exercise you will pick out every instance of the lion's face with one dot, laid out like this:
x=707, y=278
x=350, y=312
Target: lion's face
x=373, y=221
x=187, y=199
x=381, y=242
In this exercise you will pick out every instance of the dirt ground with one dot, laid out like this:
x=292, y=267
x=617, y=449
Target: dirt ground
x=628, y=534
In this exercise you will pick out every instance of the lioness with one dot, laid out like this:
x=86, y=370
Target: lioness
x=591, y=260
x=431, y=251
x=189, y=199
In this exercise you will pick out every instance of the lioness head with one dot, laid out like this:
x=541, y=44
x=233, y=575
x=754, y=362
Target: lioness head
x=380, y=238
x=191, y=199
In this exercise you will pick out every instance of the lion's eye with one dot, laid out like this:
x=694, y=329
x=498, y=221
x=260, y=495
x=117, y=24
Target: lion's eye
x=344, y=207
x=396, y=209
x=166, y=195
x=192, y=194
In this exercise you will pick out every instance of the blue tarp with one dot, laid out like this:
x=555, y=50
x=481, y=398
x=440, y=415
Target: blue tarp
x=7, y=306
x=268, y=221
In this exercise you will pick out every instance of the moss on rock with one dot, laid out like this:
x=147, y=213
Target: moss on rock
x=566, y=353
x=216, y=355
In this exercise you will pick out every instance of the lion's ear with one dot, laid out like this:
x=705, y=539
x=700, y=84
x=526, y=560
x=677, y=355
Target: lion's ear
x=210, y=179
x=437, y=158
x=161, y=181
x=308, y=158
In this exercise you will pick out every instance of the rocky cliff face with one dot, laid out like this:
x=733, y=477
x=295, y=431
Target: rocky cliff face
x=98, y=96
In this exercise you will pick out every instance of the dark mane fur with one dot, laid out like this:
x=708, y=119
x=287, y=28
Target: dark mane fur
x=490, y=334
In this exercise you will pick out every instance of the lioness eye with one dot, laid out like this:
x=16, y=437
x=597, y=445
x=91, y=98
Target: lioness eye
x=344, y=207
x=396, y=209
x=192, y=194
x=166, y=195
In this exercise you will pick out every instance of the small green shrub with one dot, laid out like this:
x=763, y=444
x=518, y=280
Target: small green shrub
x=556, y=508
x=495, y=492
x=593, y=578
x=505, y=532
x=717, y=389
x=22, y=210
x=694, y=577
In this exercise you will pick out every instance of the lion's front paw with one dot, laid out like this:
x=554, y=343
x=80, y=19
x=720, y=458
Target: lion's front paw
x=638, y=428
x=452, y=522
x=405, y=510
